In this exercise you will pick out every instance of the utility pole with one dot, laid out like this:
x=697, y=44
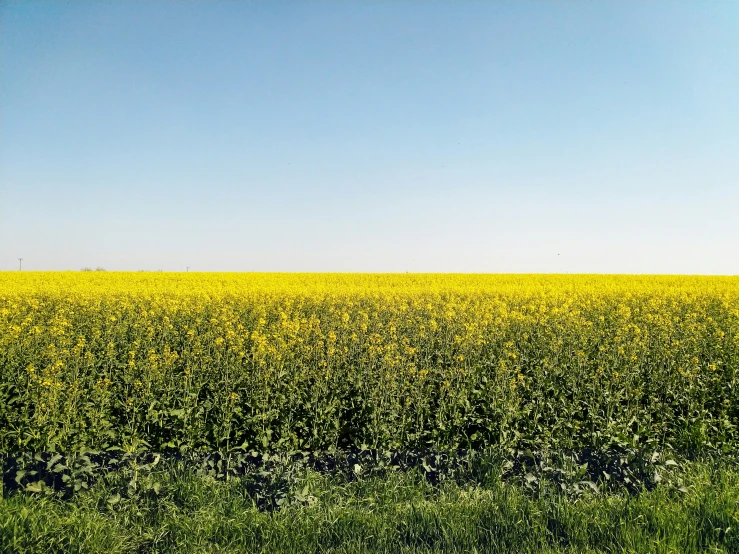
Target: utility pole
x=20, y=264
x=188, y=269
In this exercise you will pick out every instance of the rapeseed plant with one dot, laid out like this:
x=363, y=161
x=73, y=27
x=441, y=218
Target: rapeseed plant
x=198, y=362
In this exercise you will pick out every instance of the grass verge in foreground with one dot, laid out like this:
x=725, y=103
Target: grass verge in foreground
x=400, y=512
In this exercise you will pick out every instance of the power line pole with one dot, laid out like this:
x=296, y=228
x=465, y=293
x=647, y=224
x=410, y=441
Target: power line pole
x=188, y=269
x=20, y=264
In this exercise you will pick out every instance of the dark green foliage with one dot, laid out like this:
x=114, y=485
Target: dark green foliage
x=399, y=512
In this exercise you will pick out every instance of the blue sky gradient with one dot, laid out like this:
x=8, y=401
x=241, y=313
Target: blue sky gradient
x=370, y=136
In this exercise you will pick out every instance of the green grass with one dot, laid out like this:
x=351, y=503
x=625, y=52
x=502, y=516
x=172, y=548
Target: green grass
x=400, y=512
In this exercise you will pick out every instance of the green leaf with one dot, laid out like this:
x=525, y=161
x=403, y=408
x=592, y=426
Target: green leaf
x=55, y=458
x=590, y=484
x=38, y=486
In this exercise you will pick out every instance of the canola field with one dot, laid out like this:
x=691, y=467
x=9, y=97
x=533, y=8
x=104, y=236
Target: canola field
x=201, y=362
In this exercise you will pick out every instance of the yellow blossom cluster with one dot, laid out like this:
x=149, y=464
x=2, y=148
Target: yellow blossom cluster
x=205, y=361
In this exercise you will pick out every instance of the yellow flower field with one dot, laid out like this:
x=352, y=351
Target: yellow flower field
x=214, y=361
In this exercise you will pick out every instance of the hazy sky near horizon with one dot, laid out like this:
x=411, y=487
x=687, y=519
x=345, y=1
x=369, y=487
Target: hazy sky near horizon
x=537, y=136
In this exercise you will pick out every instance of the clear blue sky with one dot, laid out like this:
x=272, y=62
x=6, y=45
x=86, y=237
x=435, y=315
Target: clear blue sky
x=517, y=136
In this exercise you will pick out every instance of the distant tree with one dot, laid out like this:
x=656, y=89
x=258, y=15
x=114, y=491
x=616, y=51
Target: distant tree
x=85, y=269
x=98, y=268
